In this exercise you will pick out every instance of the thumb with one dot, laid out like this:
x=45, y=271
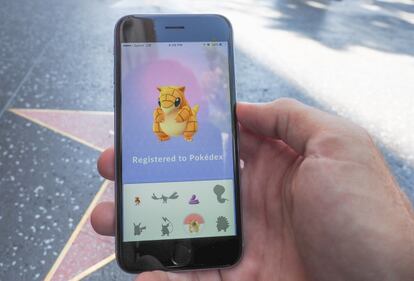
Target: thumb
x=154, y=276
x=286, y=119
x=168, y=276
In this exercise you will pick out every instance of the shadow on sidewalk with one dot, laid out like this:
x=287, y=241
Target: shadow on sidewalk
x=341, y=24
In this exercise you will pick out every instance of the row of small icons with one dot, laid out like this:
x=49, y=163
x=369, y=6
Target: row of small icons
x=218, y=190
x=138, y=45
x=193, y=224
x=212, y=44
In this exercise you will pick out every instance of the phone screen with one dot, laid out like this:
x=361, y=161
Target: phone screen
x=177, y=141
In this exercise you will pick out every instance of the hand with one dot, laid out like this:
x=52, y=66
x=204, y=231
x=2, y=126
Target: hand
x=319, y=202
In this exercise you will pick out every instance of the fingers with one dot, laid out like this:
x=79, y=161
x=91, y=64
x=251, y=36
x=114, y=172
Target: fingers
x=248, y=143
x=285, y=119
x=106, y=164
x=157, y=276
x=152, y=276
x=205, y=275
x=103, y=218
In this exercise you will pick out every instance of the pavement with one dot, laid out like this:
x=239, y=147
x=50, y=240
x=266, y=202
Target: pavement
x=352, y=58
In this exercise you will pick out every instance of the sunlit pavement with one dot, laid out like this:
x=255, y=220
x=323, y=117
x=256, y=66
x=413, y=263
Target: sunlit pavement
x=353, y=58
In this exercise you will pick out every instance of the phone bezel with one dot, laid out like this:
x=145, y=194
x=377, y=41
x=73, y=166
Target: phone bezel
x=215, y=252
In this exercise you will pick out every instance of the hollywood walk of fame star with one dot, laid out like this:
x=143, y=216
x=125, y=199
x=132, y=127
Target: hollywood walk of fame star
x=85, y=251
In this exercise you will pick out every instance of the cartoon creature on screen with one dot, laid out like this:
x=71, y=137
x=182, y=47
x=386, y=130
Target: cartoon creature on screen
x=174, y=116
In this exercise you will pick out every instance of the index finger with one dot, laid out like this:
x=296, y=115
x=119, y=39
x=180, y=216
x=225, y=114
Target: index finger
x=106, y=164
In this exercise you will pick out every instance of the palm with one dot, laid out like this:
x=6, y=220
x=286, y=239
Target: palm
x=269, y=251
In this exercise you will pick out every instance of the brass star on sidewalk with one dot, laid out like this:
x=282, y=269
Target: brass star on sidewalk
x=85, y=251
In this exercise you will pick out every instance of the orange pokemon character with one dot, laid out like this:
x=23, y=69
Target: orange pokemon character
x=174, y=116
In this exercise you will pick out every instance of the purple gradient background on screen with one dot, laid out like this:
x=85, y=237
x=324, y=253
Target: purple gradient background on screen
x=204, y=73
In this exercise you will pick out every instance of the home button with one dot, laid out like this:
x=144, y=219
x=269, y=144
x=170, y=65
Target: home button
x=182, y=255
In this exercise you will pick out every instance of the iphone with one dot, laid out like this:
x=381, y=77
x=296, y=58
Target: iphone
x=177, y=162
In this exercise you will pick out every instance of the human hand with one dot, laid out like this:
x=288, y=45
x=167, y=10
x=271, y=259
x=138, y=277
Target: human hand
x=319, y=202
